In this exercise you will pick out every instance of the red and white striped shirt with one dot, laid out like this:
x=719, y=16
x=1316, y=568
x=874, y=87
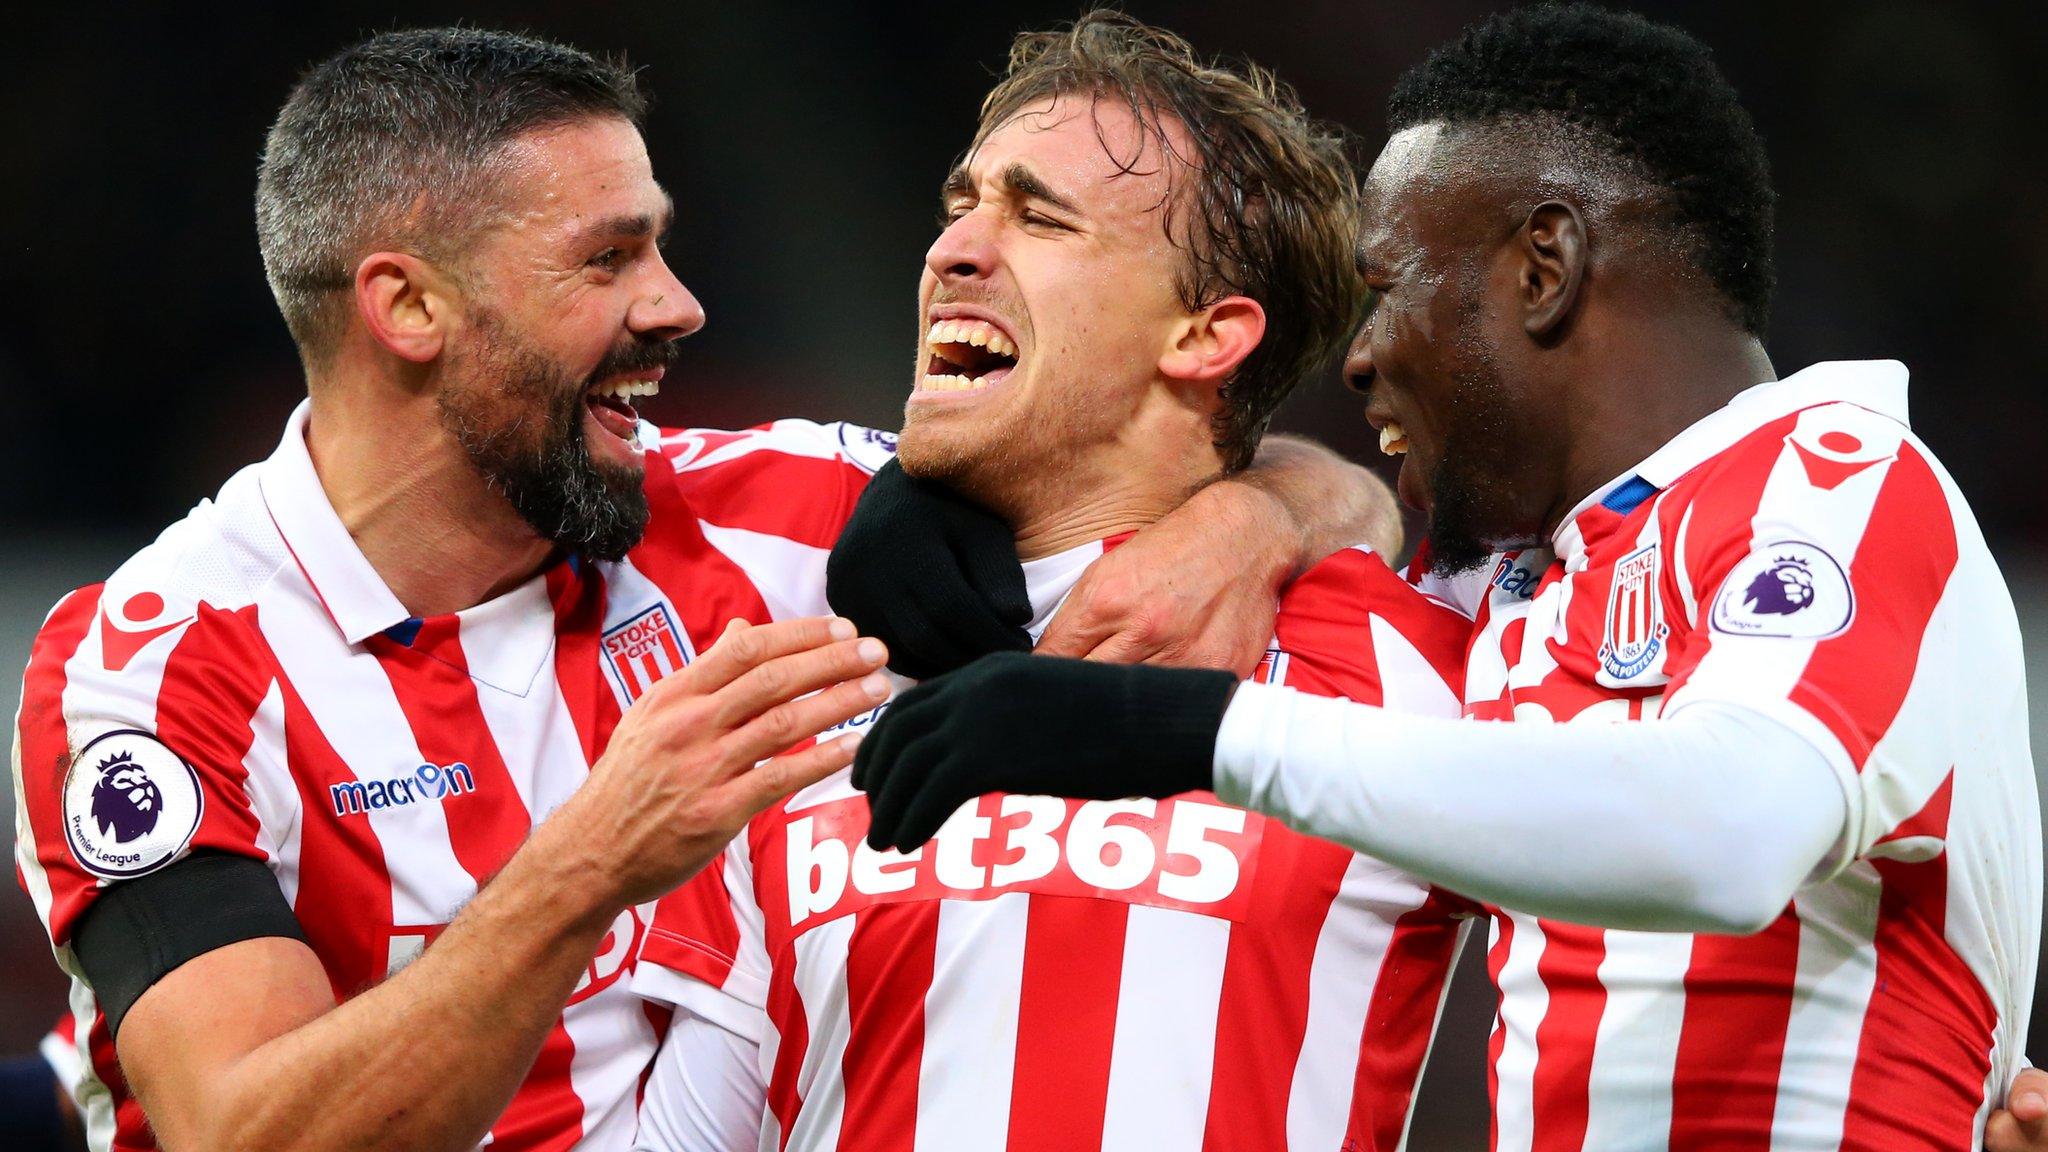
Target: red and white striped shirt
x=1053, y=974
x=1799, y=553
x=248, y=684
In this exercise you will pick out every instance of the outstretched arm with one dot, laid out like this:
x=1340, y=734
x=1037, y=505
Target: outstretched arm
x=1707, y=821
x=1201, y=588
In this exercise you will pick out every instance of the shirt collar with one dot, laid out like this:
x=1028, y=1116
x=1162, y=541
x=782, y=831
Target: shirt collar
x=1879, y=385
x=361, y=604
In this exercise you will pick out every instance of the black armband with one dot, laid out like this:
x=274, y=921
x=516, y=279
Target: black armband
x=139, y=930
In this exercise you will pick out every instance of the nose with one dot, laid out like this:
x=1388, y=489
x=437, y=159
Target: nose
x=1358, y=361
x=665, y=310
x=964, y=251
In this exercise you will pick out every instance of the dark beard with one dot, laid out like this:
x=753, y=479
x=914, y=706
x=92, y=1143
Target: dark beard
x=1471, y=487
x=538, y=458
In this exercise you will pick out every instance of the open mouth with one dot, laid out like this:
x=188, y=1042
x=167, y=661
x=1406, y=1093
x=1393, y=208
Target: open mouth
x=611, y=403
x=965, y=355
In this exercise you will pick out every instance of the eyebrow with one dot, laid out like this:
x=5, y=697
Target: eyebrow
x=1019, y=180
x=632, y=225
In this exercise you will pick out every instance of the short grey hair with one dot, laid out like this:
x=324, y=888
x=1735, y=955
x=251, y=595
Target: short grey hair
x=396, y=143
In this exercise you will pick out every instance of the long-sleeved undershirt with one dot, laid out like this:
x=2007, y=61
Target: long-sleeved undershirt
x=1706, y=821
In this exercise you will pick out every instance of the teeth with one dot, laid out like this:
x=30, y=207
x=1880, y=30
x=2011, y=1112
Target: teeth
x=951, y=383
x=627, y=389
x=1393, y=440
x=976, y=333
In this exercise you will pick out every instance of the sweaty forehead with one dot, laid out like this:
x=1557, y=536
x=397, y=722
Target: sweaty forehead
x=1429, y=184
x=1092, y=149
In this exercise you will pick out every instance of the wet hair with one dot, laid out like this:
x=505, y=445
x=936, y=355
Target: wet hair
x=395, y=143
x=1646, y=95
x=1269, y=196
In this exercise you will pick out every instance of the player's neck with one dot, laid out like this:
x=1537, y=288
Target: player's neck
x=1644, y=393
x=1119, y=488
x=423, y=517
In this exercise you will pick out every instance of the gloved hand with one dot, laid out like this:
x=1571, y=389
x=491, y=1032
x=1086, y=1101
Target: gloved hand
x=929, y=573
x=1042, y=725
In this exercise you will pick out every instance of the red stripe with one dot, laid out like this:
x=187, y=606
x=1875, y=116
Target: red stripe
x=1496, y=960
x=1856, y=682
x=1262, y=1014
x=213, y=682
x=1400, y=1022
x=43, y=744
x=1066, y=1022
x=707, y=587
x=131, y=1128
x=579, y=603
x=792, y=1030
x=545, y=1114
x=1925, y=1052
x=695, y=931
x=1561, y=1086
x=344, y=898
x=431, y=682
x=1738, y=1002
x=889, y=963
x=802, y=498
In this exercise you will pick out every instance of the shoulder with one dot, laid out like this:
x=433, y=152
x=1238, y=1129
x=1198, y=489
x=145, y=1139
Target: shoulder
x=1351, y=626
x=1836, y=477
x=174, y=619
x=794, y=479
x=704, y=452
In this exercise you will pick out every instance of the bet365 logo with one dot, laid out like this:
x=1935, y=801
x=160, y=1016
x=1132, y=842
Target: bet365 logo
x=1191, y=854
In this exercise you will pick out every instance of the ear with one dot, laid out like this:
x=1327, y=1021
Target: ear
x=405, y=303
x=1553, y=242
x=1208, y=346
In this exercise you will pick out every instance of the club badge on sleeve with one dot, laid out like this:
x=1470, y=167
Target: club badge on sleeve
x=1788, y=589
x=131, y=805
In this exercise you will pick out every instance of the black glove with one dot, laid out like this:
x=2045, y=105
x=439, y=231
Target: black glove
x=1041, y=725
x=929, y=573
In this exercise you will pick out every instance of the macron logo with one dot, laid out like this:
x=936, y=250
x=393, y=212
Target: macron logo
x=427, y=782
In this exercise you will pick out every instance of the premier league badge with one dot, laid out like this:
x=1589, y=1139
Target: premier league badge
x=130, y=805
x=1635, y=630
x=1789, y=589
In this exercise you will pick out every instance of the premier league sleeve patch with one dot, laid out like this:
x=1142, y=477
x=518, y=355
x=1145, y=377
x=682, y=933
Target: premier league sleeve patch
x=131, y=805
x=1789, y=589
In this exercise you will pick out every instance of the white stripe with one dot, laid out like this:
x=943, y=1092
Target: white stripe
x=1163, y=1053
x=1635, y=1051
x=614, y=1044
x=965, y=1076
x=1351, y=952
x=1409, y=683
x=790, y=576
x=1831, y=989
x=1523, y=1001
x=273, y=793
x=533, y=731
x=821, y=1083
x=351, y=702
x=94, y=1099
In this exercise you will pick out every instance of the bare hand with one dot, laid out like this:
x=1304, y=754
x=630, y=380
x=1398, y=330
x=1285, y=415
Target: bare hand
x=689, y=764
x=1199, y=589
x=2022, y=1125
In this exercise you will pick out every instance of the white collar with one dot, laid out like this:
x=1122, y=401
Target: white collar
x=361, y=604
x=1879, y=385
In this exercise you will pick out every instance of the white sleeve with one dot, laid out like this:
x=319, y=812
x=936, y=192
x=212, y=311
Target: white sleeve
x=1707, y=821
x=706, y=1092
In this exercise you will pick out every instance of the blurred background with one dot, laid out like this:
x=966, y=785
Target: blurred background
x=141, y=359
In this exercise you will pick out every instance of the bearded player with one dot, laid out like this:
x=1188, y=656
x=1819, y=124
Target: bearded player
x=1141, y=254
x=345, y=802
x=1760, y=697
